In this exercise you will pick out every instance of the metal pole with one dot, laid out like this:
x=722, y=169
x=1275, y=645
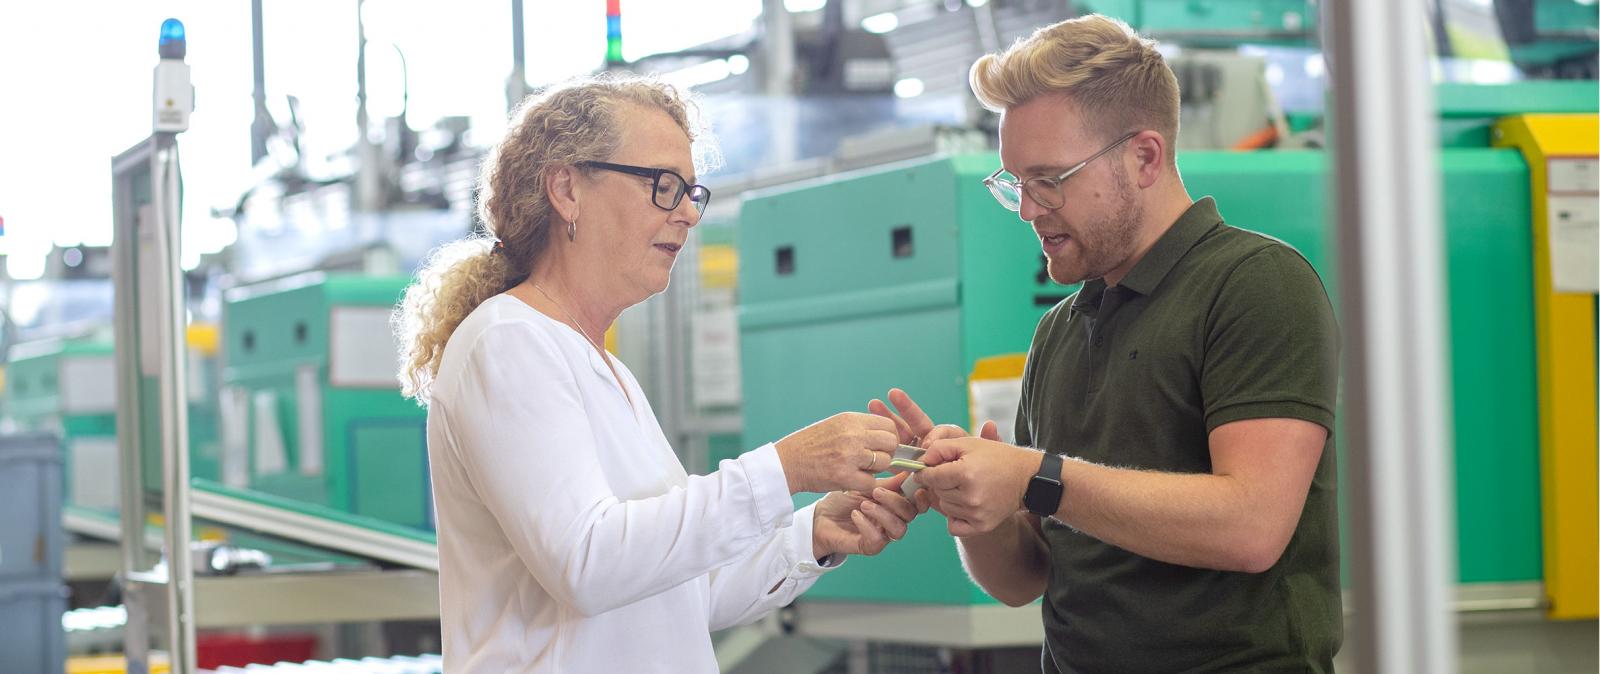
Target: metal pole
x=261, y=126
x=517, y=85
x=125, y=279
x=777, y=45
x=173, y=385
x=1390, y=282
x=368, y=171
x=778, y=70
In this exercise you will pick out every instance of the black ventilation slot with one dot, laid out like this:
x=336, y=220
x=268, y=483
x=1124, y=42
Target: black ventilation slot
x=900, y=243
x=785, y=260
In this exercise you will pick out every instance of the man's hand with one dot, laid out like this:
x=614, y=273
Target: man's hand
x=853, y=523
x=977, y=482
x=912, y=423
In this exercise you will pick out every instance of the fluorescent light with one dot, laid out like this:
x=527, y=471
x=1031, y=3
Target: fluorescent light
x=696, y=75
x=738, y=63
x=908, y=88
x=804, y=5
x=880, y=23
x=25, y=267
x=977, y=3
x=1315, y=67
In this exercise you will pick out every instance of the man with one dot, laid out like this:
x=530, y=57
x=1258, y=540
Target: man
x=1181, y=516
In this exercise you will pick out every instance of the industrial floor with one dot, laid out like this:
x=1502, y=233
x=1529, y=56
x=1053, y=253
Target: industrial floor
x=1517, y=643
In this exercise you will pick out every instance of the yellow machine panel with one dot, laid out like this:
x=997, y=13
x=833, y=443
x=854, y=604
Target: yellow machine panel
x=1563, y=153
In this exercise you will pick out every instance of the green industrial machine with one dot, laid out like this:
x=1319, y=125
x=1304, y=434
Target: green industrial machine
x=907, y=276
x=60, y=386
x=1209, y=23
x=311, y=406
x=65, y=386
x=1550, y=38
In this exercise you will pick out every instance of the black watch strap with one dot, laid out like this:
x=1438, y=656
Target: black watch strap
x=1043, y=497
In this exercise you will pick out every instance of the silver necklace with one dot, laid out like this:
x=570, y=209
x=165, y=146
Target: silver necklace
x=603, y=355
x=572, y=318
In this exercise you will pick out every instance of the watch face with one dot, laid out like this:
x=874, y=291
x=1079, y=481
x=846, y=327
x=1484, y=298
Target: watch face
x=1043, y=496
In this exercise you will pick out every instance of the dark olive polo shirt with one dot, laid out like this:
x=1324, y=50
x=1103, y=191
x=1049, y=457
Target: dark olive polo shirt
x=1214, y=324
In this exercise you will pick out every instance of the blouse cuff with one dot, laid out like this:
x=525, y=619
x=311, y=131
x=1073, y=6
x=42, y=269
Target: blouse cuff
x=800, y=551
x=769, y=488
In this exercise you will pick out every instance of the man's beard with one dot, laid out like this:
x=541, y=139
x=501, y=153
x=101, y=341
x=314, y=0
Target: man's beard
x=1109, y=241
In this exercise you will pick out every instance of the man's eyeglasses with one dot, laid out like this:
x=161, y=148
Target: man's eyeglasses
x=668, y=187
x=1044, y=190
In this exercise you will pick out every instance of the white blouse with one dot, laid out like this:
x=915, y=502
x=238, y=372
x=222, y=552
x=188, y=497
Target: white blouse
x=570, y=537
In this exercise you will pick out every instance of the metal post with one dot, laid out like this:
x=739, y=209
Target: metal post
x=778, y=72
x=517, y=83
x=261, y=125
x=170, y=329
x=127, y=169
x=777, y=46
x=1390, y=277
x=369, y=179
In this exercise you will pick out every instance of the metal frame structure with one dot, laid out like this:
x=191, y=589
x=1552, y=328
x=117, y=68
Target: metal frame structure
x=156, y=351
x=316, y=531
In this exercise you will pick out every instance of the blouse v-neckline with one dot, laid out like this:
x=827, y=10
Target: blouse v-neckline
x=590, y=350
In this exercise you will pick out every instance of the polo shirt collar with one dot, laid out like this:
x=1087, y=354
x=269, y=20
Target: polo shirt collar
x=1200, y=219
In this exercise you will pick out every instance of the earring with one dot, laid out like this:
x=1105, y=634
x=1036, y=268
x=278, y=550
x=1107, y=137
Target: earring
x=572, y=230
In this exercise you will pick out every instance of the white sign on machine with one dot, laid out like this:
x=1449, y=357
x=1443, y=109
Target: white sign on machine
x=1574, y=222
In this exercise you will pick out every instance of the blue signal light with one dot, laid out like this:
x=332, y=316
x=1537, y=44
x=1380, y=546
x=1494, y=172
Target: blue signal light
x=173, y=43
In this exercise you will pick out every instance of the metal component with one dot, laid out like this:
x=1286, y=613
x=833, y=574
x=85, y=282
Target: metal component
x=905, y=466
x=909, y=452
x=174, y=396
x=297, y=599
x=1477, y=597
x=90, y=561
x=517, y=82
x=261, y=127
x=1396, y=404
x=151, y=359
x=974, y=626
x=316, y=531
x=777, y=48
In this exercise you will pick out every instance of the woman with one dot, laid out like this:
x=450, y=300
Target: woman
x=570, y=537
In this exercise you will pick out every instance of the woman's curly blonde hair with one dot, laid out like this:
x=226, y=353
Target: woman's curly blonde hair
x=563, y=125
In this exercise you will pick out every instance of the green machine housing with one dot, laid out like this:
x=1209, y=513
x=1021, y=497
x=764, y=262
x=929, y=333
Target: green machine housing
x=856, y=283
x=311, y=404
x=67, y=386
x=908, y=275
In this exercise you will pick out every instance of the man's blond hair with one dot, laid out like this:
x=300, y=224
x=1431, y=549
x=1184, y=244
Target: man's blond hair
x=1116, y=79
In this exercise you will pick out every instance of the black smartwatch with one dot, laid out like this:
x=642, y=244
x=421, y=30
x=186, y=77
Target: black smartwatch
x=1043, y=497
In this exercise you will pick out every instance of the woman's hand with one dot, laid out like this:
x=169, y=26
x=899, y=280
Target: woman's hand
x=843, y=451
x=852, y=523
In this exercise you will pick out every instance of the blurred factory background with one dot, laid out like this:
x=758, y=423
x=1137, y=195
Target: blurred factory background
x=334, y=144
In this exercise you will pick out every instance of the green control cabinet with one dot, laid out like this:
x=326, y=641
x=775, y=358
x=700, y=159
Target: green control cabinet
x=908, y=275
x=61, y=386
x=852, y=284
x=66, y=386
x=311, y=405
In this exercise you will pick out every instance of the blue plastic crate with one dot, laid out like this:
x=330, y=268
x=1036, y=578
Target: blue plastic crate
x=31, y=537
x=31, y=636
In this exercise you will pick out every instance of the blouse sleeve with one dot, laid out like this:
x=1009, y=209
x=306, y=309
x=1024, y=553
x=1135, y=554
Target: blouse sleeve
x=526, y=445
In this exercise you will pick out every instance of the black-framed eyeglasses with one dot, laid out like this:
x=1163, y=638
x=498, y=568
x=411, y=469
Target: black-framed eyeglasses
x=666, y=190
x=1045, y=190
